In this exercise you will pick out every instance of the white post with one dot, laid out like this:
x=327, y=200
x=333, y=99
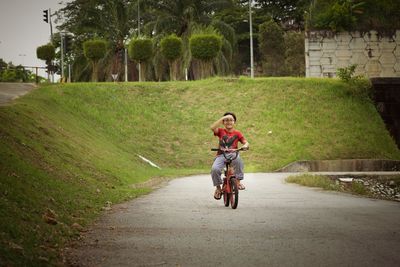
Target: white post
x=140, y=74
x=251, y=42
x=126, y=65
x=69, y=73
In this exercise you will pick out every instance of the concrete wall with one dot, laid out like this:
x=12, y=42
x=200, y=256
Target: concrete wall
x=375, y=56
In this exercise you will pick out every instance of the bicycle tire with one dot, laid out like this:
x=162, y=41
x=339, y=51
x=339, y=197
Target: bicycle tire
x=227, y=198
x=234, y=196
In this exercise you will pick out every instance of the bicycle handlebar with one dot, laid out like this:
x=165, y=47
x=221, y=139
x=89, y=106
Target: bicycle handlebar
x=229, y=150
x=226, y=151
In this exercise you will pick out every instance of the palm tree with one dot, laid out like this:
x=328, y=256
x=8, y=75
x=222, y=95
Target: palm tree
x=112, y=20
x=179, y=17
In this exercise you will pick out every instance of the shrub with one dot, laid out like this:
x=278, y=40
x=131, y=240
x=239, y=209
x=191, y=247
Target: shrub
x=272, y=48
x=205, y=47
x=171, y=47
x=358, y=86
x=140, y=49
x=46, y=53
x=294, y=53
x=95, y=49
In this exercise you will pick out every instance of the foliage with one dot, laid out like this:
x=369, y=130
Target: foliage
x=140, y=49
x=294, y=53
x=171, y=47
x=358, y=85
x=205, y=46
x=46, y=52
x=347, y=74
x=310, y=180
x=11, y=73
x=272, y=48
x=95, y=50
x=111, y=20
x=349, y=15
x=288, y=12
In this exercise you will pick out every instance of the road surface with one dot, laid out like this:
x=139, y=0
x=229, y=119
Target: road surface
x=275, y=224
x=11, y=91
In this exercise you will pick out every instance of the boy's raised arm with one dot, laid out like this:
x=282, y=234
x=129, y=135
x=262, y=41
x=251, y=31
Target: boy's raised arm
x=215, y=125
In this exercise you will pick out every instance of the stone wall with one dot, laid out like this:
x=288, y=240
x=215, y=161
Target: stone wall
x=374, y=55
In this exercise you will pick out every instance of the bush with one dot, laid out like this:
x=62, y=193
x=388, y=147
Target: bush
x=140, y=49
x=272, y=48
x=358, y=86
x=95, y=49
x=205, y=47
x=171, y=47
x=46, y=52
x=294, y=53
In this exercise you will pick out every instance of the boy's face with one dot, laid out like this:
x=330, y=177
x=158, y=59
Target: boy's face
x=229, y=123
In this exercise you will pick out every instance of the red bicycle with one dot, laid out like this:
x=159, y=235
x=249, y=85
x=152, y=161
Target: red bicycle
x=230, y=185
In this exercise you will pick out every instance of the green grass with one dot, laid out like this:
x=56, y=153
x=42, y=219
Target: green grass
x=73, y=147
x=326, y=183
x=310, y=180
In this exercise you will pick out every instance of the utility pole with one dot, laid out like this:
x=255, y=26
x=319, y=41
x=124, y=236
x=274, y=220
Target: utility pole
x=251, y=42
x=62, y=56
x=138, y=24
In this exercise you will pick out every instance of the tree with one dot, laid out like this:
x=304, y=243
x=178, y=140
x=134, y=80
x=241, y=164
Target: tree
x=294, y=53
x=111, y=20
x=289, y=13
x=272, y=48
x=171, y=48
x=47, y=53
x=204, y=48
x=359, y=15
x=141, y=50
x=94, y=50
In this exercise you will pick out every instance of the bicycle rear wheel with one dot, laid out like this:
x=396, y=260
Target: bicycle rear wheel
x=234, y=196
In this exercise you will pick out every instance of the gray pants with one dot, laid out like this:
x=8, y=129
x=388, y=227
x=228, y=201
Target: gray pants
x=219, y=164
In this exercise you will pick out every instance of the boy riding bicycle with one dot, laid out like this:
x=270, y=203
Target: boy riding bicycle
x=228, y=139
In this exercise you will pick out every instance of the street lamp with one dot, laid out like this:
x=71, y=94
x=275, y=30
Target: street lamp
x=138, y=24
x=251, y=42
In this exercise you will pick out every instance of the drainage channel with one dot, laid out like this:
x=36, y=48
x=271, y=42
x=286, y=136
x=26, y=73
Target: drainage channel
x=387, y=101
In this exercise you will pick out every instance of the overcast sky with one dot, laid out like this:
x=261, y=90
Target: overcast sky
x=22, y=29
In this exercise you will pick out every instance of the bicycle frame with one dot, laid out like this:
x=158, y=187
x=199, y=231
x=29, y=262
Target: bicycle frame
x=230, y=186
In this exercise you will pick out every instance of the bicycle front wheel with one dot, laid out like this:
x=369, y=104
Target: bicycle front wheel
x=234, y=196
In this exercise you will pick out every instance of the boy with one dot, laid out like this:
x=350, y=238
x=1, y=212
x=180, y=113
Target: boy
x=229, y=137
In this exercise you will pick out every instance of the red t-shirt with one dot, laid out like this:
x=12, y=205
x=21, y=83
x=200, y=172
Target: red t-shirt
x=229, y=139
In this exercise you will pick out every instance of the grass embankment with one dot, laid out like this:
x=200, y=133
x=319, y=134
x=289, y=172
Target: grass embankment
x=357, y=187
x=70, y=148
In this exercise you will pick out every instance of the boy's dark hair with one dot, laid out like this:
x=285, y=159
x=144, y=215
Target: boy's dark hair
x=231, y=113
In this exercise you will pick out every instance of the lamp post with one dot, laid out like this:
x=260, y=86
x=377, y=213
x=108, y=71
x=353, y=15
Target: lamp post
x=251, y=42
x=62, y=48
x=138, y=24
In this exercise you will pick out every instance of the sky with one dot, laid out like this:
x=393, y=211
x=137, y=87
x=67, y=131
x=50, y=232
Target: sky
x=22, y=30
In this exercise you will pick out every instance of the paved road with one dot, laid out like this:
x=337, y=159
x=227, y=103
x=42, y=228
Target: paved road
x=276, y=224
x=11, y=91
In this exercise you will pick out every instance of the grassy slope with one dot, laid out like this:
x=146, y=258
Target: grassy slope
x=72, y=147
